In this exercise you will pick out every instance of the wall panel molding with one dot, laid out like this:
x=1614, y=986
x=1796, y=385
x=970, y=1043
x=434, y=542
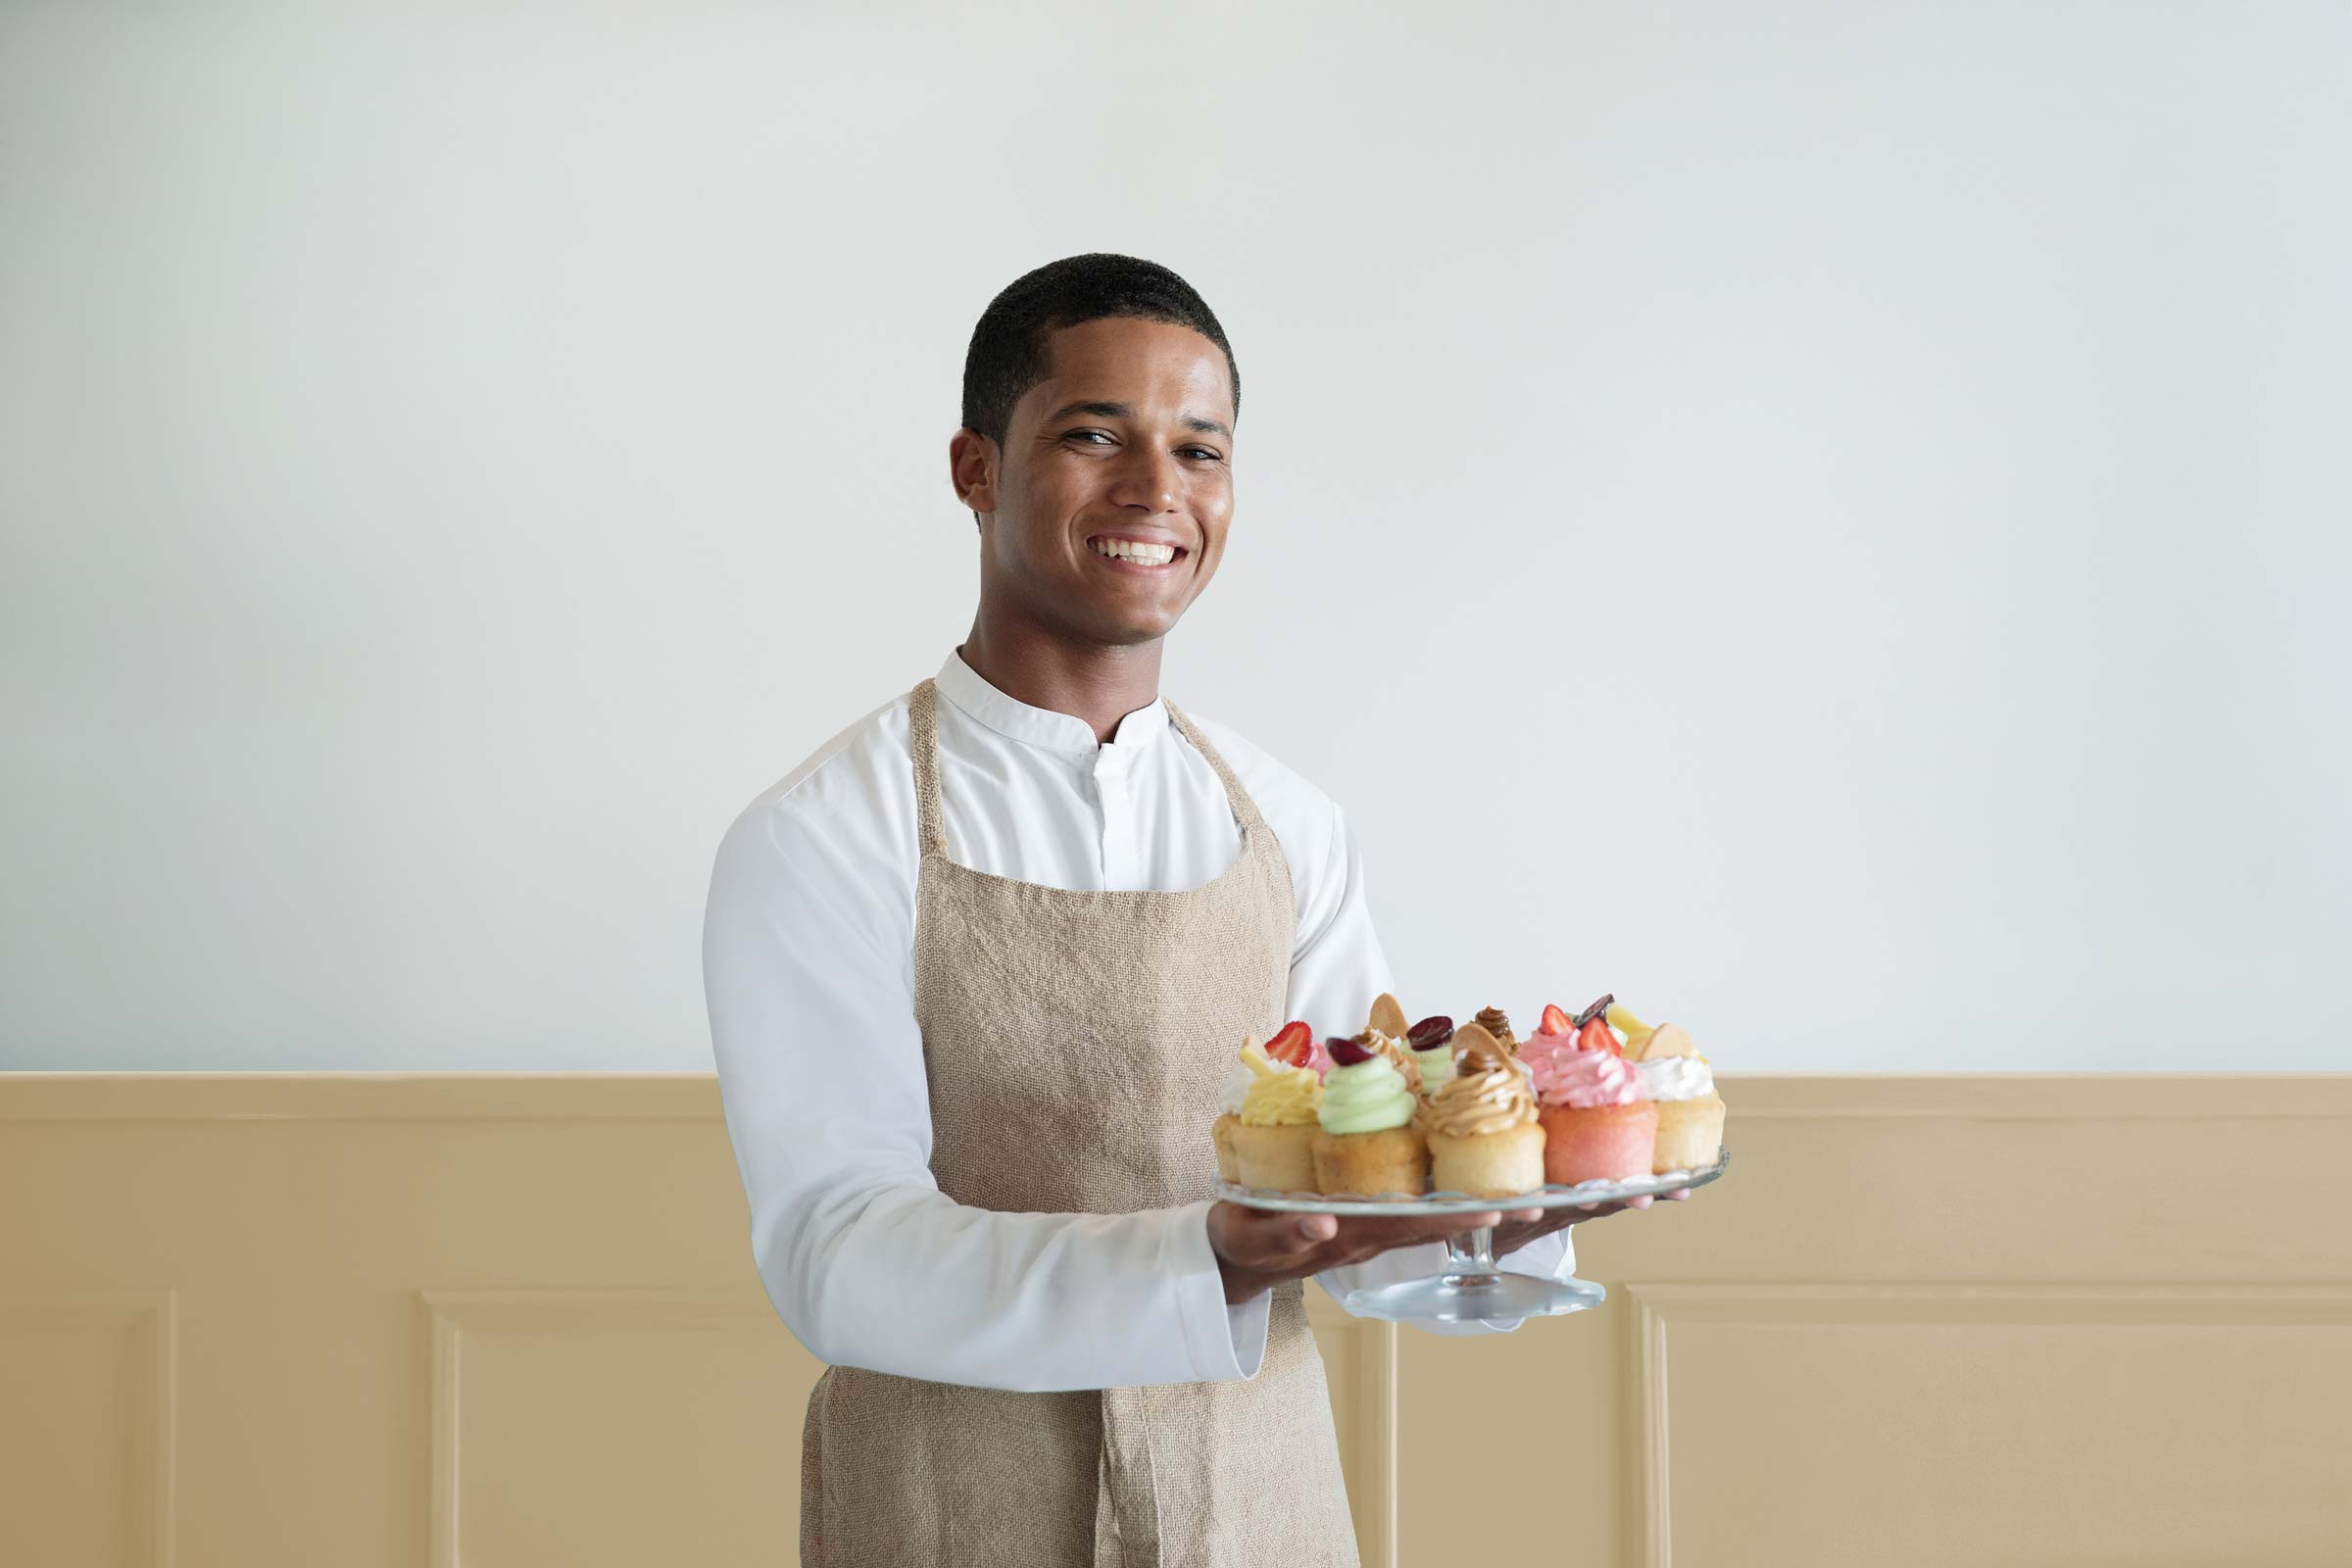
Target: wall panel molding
x=517, y=1316
x=1658, y=1309
x=452, y=1317
x=144, y=1322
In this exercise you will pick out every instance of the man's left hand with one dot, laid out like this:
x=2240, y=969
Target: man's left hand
x=1521, y=1226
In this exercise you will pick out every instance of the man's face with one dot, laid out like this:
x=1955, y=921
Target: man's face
x=1108, y=504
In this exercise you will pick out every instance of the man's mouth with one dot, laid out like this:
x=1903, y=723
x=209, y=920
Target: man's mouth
x=1136, y=552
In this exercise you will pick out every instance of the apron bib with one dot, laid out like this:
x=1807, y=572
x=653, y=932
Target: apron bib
x=1074, y=1044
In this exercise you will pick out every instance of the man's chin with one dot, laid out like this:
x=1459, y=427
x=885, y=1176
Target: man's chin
x=1134, y=635
x=1125, y=624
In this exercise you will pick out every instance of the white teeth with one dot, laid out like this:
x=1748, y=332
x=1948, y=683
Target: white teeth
x=1142, y=554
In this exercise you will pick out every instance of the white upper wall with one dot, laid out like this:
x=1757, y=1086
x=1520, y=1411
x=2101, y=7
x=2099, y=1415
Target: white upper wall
x=1829, y=520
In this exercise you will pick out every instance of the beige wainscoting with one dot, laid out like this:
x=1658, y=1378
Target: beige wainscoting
x=493, y=1321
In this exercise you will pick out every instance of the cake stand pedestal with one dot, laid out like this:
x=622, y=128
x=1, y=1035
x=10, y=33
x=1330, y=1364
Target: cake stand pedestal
x=1471, y=1287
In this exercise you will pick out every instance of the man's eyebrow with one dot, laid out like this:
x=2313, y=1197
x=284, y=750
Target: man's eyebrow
x=1123, y=410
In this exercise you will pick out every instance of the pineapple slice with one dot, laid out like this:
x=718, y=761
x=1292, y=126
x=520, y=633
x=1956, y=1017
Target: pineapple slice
x=1635, y=1032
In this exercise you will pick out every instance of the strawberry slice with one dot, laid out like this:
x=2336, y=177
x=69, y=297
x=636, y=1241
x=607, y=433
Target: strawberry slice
x=1556, y=1023
x=1595, y=1036
x=1293, y=1043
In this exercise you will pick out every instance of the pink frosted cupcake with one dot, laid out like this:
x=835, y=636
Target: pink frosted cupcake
x=1597, y=1123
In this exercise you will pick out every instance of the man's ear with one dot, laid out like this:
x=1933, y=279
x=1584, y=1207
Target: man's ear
x=973, y=460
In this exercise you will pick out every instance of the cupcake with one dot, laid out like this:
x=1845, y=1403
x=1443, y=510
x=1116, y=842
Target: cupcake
x=1690, y=1111
x=1431, y=1044
x=1271, y=1146
x=1366, y=1141
x=1230, y=1099
x=1484, y=1136
x=1294, y=1045
x=1384, y=1035
x=1597, y=1124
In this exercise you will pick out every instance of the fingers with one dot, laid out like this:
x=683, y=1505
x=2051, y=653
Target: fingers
x=1301, y=1244
x=1380, y=1233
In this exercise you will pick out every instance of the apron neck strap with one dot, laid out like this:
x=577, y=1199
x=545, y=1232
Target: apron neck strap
x=923, y=716
x=1245, y=809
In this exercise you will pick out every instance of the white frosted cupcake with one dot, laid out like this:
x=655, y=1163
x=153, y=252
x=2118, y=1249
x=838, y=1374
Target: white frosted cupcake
x=1690, y=1112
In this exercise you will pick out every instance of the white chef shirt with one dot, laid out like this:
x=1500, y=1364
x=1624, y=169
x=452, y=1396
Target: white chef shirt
x=809, y=969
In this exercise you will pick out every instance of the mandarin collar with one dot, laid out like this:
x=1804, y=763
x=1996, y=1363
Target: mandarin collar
x=1017, y=720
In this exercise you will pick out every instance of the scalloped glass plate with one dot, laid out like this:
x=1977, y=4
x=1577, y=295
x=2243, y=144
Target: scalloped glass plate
x=1471, y=1287
x=1433, y=1203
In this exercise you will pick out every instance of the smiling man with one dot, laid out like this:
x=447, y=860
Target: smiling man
x=976, y=971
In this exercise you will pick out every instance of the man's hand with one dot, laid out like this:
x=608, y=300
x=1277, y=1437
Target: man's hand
x=1517, y=1231
x=1257, y=1247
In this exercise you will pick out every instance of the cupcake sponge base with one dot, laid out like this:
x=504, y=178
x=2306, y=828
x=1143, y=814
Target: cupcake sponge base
x=1394, y=1159
x=1690, y=1133
x=1599, y=1143
x=1500, y=1164
x=1277, y=1158
x=1229, y=1158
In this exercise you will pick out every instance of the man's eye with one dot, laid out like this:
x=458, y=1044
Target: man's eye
x=1075, y=434
x=1203, y=452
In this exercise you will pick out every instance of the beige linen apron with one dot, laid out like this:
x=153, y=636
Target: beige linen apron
x=1075, y=1043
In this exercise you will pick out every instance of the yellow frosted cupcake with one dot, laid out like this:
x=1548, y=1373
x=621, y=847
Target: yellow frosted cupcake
x=1294, y=1045
x=1366, y=1141
x=1271, y=1145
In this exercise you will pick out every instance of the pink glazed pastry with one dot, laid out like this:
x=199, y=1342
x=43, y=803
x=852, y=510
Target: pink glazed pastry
x=1597, y=1123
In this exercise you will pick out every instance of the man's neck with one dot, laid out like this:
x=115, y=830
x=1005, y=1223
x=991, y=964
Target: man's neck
x=1095, y=683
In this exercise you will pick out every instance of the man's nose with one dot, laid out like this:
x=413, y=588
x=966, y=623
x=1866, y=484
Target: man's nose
x=1148, y=478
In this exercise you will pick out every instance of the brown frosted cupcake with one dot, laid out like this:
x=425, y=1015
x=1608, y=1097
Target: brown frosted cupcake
x=1484, y=1139
x=1497, y=1022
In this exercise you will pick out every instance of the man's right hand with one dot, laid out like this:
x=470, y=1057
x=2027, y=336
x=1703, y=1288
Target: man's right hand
x=1257, y=1247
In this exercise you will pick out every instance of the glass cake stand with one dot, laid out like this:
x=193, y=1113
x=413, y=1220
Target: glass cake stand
x=1471, y=1287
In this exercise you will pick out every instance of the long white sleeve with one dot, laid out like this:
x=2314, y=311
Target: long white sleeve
x=820, y=1068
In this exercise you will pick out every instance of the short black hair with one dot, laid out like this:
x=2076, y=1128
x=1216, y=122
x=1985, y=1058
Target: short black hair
x=1011, y=347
